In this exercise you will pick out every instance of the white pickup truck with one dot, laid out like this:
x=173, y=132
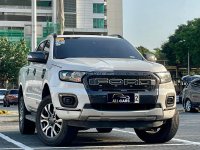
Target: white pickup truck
x=80, y=82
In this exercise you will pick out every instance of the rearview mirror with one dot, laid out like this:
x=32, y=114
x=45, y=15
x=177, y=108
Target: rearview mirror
x=39, y=57
x=150, y=57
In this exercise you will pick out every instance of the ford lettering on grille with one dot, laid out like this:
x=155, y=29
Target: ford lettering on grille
x=117, y=82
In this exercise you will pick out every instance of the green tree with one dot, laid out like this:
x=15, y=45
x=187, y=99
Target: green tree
x=159, y=54
x=186, y=38
x=143, y=50
x=13, y=55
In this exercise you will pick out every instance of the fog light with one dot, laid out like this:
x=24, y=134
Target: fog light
x=170, y=101
x=68, y=100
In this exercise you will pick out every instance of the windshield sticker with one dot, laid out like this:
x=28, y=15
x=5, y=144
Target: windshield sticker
x=60, y=41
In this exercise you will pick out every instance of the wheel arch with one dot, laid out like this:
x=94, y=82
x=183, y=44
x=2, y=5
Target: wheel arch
x=46, y=91
x=20, y=92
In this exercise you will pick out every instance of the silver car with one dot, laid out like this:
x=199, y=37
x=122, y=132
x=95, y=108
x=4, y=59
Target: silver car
x=2, y=94
x=191, y=96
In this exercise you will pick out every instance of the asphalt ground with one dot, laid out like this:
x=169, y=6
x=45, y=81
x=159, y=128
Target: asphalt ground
x=187, y=138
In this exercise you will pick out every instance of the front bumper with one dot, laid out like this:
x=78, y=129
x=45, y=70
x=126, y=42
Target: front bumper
x=122, y=119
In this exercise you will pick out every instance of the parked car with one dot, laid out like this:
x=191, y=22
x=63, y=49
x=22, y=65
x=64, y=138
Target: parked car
x=102, y=82
x=187, y=79
x=179, y=98
x=11, y=97
x=2, y=94
x=191, y=96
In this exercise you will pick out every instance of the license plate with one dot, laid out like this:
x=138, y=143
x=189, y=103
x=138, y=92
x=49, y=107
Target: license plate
x=123, y=98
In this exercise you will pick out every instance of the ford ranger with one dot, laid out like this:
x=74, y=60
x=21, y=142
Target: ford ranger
x=78, y=82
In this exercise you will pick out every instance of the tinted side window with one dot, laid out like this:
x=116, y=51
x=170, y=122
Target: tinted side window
x=47, y=46
x=13, y=91
x=196, y=83
x=41, y=46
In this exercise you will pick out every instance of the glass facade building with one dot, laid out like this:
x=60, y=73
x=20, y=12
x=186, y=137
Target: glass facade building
x=81, y=16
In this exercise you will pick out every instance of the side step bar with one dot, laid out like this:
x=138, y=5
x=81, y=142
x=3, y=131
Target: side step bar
x=31, y=117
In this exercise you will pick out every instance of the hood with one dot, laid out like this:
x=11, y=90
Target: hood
x=108, y=64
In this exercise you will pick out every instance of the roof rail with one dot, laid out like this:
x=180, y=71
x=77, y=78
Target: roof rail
x=117, y=35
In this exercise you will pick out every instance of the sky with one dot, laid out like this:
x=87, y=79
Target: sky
x=149, y=23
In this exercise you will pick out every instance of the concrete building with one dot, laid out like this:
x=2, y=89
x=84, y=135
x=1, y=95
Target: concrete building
x=81, y=16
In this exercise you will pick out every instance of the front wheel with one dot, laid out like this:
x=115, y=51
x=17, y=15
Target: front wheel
x=188, y=106
x=4, y=103
x=8, y=104
x=52, y=130
x=161, y=134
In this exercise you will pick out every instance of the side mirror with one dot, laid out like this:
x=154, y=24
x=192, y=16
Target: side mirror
x=150, y=57
x=39, y=57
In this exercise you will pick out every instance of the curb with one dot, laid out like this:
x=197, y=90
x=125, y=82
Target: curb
x=8, y=113
x=3, y=112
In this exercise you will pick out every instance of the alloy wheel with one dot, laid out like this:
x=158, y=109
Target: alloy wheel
x=50, y=124
x=188, y=105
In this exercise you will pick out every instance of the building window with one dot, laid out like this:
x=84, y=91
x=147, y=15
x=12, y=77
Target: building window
x=98, y=8
x=70, y=6
x=70, y=20
x=44, y=3
x=98, y=23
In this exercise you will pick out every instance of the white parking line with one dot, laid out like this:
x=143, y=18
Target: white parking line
x=15, y=142
x=110, y=146
x=174, y=139
x=9, y=148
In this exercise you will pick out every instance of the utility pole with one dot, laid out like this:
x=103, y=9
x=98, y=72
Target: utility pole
x=54, y=10
x=34, y=25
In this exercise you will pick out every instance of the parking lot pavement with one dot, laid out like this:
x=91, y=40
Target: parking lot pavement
x=188, y=136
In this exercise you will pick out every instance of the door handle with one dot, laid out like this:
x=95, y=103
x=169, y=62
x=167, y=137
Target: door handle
x=43, y=73
x=34, y=71
x=27, y=71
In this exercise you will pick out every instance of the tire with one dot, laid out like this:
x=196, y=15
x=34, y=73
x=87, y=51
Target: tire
x=162, y=134
x=8, y=104
x=52, y=130
x=104, y=130
x=188, y=106
x=4, y=104
x=25, y=126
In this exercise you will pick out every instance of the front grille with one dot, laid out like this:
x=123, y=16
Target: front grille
x=122, y=107
x=114, y=81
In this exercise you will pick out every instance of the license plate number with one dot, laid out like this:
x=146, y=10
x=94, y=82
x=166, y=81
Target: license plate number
x=123, y=98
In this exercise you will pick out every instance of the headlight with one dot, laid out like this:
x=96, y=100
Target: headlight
x=164, y=77
x=71, y=76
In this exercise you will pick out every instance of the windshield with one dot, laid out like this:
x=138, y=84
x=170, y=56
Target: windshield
x=2, y=92
x=92, y=47
x=13, y=91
